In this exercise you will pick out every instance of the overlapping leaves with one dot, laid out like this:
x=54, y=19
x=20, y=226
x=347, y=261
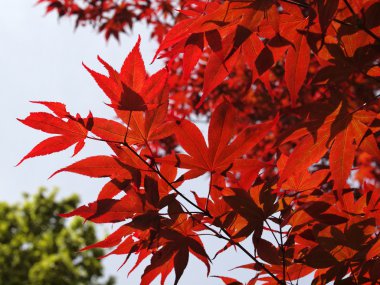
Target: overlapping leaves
x=307, y=198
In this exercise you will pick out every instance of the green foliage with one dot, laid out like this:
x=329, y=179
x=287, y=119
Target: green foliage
x=39, y=248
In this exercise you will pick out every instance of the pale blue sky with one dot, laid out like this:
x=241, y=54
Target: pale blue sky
x=41, y=59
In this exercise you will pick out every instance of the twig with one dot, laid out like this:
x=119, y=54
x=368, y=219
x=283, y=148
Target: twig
x=126, y=133
x=360, y=25
x=155, y=171
x=270, y=229
x=304, y=5
x=252, y=257
x=377, y=97
x=206, y=213
x=343, y=22
x=209, y=192
x=166, y=181
x=299, y=274
x=353, y=275
x=151, y=153
x=283, y=252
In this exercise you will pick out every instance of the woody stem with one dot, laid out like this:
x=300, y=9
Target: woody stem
x=205, y=212
x=359, y=24
x=209, y=191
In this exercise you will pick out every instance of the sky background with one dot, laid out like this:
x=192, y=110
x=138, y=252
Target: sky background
x=41, y=59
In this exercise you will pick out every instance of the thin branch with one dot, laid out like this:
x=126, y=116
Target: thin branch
x=126, y=133
x=369, y=77
x=155, y=171
x=349, y=7
x=151, y=153
x=197, y=235
x=206, y=213
x=303, y=5
x=343, y=23
x=166, y=181
x=359, y=22
x=283, y=252
x=272, y=231
x=290, y=279
x=369, y=32
x=353, y=275
x=373, y=100
x=230, y=239
x=187, y=212
x=217, y=234
x=209, y=191
x=252, y=257
x=227, y=10
x=299, y=274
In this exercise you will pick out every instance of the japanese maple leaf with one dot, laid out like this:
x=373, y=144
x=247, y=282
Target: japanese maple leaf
x=297, y=62
x=179, y=240
x=153, y=123
x=341, y=132
x=229, y=280
x=254, y=206
x=224, y=146
x=128, y=90
x=226, y=27
x=350, y=132
x=173, y=244
x=302, y=182
x=132, y=91
x=130, y=205
x=110, y=210
x=70, y=130
x=98, y=166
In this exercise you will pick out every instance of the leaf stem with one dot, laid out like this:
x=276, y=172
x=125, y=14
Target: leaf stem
x=151, y=153
x=303, y=5
x=359, y=23
x=374, y=99
x=166, y=181
x=206, y=213
x=154, y=170
x=126, y=133
x=353, y=274
x=272, y=231
x=253, y=258
x=283, y=252
x=209, y=191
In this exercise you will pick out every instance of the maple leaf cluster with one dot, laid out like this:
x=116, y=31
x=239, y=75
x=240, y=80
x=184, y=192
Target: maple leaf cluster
x=290, y=91
x=115, y=17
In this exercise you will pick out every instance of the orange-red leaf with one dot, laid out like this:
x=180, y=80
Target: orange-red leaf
x=98, y=166
x=109, y=210
x=297, y=63
x=133, y=71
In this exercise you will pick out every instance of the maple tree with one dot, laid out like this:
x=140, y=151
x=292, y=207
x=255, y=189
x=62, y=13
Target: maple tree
x=290, y=90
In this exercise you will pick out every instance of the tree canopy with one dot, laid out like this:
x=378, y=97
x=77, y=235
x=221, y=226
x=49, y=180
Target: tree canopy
x=39, y=248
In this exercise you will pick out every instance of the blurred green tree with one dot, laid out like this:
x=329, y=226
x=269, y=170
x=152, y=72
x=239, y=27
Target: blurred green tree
x=39, y=248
